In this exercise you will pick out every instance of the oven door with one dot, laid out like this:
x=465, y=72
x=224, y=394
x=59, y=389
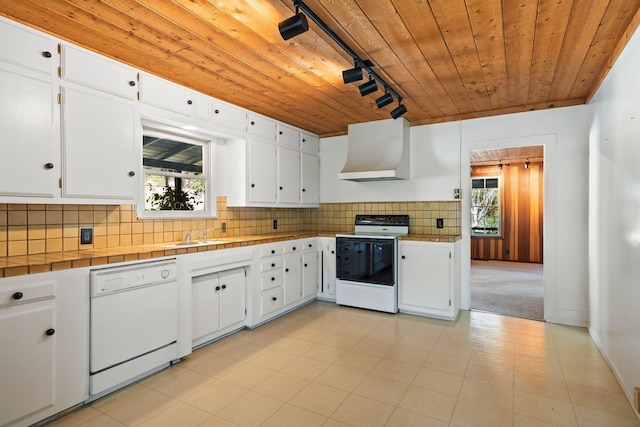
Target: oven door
x=366, y=260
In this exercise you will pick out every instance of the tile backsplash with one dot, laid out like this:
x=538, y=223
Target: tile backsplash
x=28, y=229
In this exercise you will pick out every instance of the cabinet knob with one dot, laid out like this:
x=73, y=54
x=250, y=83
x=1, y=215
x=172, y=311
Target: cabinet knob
x=273, y=264
x=403, y=257
x=306, y=265
x=18, y=295
x=217, y=111
x=294, y=248
x=132, y=83
x=333, y=252
x=303, y=190
x=273, y=279
x=280, y=133
x=217, y=288
x=310, y=245
x=253, y=185
x=304, y=140
x=274, y=298
x=46, y=54
x=50, y=331
x=286, y=270
x=132, y=173
x=189, y=102
x=253, y=123
x=48, y=165
x=273, y=251
x=224, y=286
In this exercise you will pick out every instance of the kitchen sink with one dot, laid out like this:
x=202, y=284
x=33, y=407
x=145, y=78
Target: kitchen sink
x=196, y=244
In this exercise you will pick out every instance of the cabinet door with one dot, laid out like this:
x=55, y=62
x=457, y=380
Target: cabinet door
x=201, y=106
x=229, y=116
x=309, y=274
x=425, y=276
x=262, y=172
x=309, y=174
x=288, y=176
x=328, y=286
x=232, y=297
x=261, y=127
x=288, y=137
x=29, y=164
x=166, y=95
x=309, y=143
x=26, y=351
x=204, y=305
x=292, y=278
x=98, y=72
x=24, y=47
x=98, y=133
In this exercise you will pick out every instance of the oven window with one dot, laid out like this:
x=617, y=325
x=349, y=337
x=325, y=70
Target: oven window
x=366, y=260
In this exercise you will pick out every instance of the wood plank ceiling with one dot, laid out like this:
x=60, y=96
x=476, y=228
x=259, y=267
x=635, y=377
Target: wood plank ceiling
x=449, y=59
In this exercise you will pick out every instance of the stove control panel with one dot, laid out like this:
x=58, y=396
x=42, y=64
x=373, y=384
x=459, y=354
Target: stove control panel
x=383, y=220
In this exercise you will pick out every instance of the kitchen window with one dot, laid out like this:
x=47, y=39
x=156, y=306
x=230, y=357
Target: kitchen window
x=485, y=207
x=177, y=174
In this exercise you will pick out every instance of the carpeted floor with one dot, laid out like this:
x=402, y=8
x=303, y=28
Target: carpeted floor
x=507, y=288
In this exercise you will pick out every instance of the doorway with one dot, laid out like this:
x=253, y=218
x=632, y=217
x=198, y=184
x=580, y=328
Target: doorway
x=506, y=227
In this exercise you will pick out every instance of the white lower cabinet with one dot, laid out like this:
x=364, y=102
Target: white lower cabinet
x=327, y=289
x=429, y=278
x=217, y=304
x=44, y=345
x=310, y=273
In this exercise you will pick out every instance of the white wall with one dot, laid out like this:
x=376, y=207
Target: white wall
x=614, y=220
x=440, y=163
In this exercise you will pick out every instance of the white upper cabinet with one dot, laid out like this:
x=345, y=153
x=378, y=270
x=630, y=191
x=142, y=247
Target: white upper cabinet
x=30, y=160
x=229, y=116
x=288, y=175
x=28, y=49
x=97, y=72
x=166, y=95
x=287, y=136
x=261, y=127
x=99, y=157
x=309, y=143
x=201, y=106
x=262, y=172
x=309, y=179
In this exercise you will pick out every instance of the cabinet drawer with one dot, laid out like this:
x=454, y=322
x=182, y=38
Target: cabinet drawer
x=97, y=72
x=308, y=245
x=270, y=264
x=11, y=295
x=270, y=280
x=271, y=251
x=270, y=302
x=27, y=49
x=262, y=127
x=229, y=116
x=292, y=247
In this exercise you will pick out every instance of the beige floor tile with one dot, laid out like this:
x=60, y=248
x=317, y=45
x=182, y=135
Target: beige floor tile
x=251, y=410
x=356, y=331
x=540, y=367
x=196, y=358
x=496, y=357
x=341, y=378
x=418, y=342
x=520, y=420
x=438, y=381
x=77, y=417
x=341, y=340
x=293, y=345
x=293, y=416
x=595, y=418
x=429, y=403
x=141, y=407
x=361, y=411
x=281, y=386
x=102, y=420
x=487, y=394
x=306, y=368
x=399, y=371
x=164, y=375
x=612, y=401
x=532, y=352
x=318, y=398
x=542, y=386
x=545, y=409
x=273, y=359
x=242, y=351
x=490, y=374
x=425, y=330
x=443, y=363
x=248, y=375
x=334, y=423
x=216, y=366
x=576, y=374
x=372, y=348
x=180, y=414
x=325, y=353
x=311, y=334
x=261, y=337
x=450, y=348
x=215, y=396
x=183, y=384
x=545, y=340
x=123, y=396
x=382, y=389
x=216, y=421
x=358, y=361
x=404, y=418
x=385, y=335
x=474, y=414
x=408, y=355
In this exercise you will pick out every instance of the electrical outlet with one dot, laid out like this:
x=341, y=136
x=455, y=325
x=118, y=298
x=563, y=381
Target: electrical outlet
x=275, y=224
x=86, y=236
x=440, y=223
x=224, y=227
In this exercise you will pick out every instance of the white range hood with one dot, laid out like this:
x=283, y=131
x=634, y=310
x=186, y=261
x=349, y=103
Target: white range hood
x=377, y=151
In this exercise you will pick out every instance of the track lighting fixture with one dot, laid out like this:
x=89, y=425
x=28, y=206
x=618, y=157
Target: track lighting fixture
x=368, y=87
x=352, y=75
x=526, y=164
x=384, y=100
x=500, y=165
x=298, y=24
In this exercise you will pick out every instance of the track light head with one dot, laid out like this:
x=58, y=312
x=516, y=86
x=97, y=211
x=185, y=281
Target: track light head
x=293, y=26
x=398, y=111
x=384, y=100
x=500, y=165
x=352, y=75
x=526, y=164
x=368, y=87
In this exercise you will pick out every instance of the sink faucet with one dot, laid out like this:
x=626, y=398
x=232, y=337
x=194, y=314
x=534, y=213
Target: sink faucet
x=190, y=235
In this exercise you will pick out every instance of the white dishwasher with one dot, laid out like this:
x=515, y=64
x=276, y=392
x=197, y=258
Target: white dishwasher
x=134, y=323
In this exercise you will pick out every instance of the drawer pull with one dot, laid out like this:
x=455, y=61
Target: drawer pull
x=286, y=270
x=132, y=83
x=50, y=331
x=18, y=295
x=48, y=165
x=217, y=288
x=306, y=265
x=224, y=286
x=273, y=264
x=404, y=257
x=274, y=298
x=273, y=279
x=46, y=54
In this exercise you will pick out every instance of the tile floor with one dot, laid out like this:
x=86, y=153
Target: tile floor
x=326, y=365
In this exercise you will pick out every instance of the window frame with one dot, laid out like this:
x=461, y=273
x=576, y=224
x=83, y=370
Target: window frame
x=499, y=206
x=154, y=128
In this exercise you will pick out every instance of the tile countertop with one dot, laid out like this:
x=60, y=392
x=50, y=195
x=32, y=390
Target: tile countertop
x=29, y=264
